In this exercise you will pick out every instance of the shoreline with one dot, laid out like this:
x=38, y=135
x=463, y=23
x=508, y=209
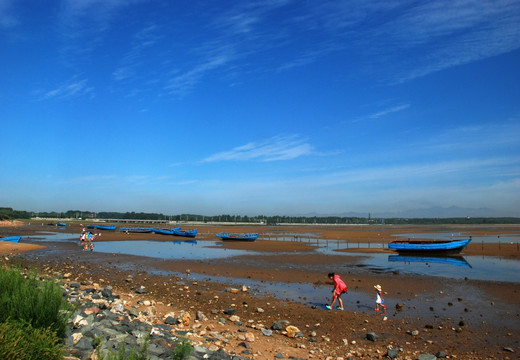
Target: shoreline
x=443, y=296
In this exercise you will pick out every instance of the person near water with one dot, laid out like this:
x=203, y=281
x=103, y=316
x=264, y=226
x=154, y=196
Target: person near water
x=339, y=288
x=379, y=298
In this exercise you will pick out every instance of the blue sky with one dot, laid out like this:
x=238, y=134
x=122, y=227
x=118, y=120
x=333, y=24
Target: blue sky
x=260, y=107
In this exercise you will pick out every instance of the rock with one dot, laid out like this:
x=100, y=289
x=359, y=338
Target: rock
x=267, y=332
x=441, y=355
x=234, y=318
x=229, y=311
x=399, y=307
x=170, y=320
x=250, y=337
x=200, y=316
x=186, y=319
x=372, y=336
x=427, y=357
x=292, y=331
x=279, y=325
x=392, y=353
x=244, y=288
x=260, y=310
x=508, y=349
x=141, y=290
x=279, y=356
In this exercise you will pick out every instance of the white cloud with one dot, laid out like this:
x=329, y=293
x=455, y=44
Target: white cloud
x=274, y=149
x=71, y=88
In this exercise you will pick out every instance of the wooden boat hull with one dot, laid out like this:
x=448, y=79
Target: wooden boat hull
x=430, y=247
x=185, y=233
x=102, y=227
x=238, y=237
x=14, y=239
x=135, y=229
x=166, y=231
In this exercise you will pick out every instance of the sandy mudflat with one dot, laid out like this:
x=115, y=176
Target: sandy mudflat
x=471, y=319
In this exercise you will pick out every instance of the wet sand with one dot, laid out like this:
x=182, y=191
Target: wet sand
x=463, y=333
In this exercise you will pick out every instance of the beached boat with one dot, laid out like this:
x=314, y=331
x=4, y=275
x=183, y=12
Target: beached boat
x=238, y=236
x=166, y=231
x=10, y=238
x=61, y=224
x=136, y=229
x=428, y=246
x=102, y=227
x=186, y=233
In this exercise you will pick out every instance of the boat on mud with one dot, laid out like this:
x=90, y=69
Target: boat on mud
x=136, y=229
x=429, y=246
x=102, y=227
x=166, y=231
x=238, y=236
x=186, y=233
x=10, y=238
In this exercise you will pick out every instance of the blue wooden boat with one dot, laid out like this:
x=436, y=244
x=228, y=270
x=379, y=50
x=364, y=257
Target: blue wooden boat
x=238, y=236
x=61, y=224
x=449, y=260
x=10, y=238
x=136, y=229
x=186, y=233
x=102, y=227
x=166, y=231
x=428, y=246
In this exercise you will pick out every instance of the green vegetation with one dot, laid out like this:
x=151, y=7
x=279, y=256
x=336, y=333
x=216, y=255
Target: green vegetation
x=22, y=341
x=121, y=354
x=33, y=317
x=182, y=350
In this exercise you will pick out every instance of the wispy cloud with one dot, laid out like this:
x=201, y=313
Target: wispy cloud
x=183, y=83
x=71, y=88
x=391, y=110
x=274, y=149
x=143, y=40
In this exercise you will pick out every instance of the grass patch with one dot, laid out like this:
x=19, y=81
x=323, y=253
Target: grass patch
x=27, y=299
x=22, y=341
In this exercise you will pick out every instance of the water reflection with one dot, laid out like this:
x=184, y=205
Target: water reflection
x=448, y=260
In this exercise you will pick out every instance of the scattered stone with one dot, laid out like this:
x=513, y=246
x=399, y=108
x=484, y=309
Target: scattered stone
x=508, y=349
x=250, y=337
x=427, y=357
x=372, y=336
x=267, y=332
x=279, y=325
x=200, y=316
x=141, y=290
x=441, y=354
x=229, y=311
x=392, y=353
x=292, y=331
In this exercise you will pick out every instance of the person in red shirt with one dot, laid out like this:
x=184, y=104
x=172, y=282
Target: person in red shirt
x=339, y=288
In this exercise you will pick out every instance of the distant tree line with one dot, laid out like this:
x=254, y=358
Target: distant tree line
x=10, y=214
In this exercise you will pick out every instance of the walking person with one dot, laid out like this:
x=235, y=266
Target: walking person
x=379, y=298
x=339, y=288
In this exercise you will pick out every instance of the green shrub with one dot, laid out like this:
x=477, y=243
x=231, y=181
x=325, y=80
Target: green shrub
x=134, y=354
x=22, y=341
x=182, y=350
x=27, y=299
